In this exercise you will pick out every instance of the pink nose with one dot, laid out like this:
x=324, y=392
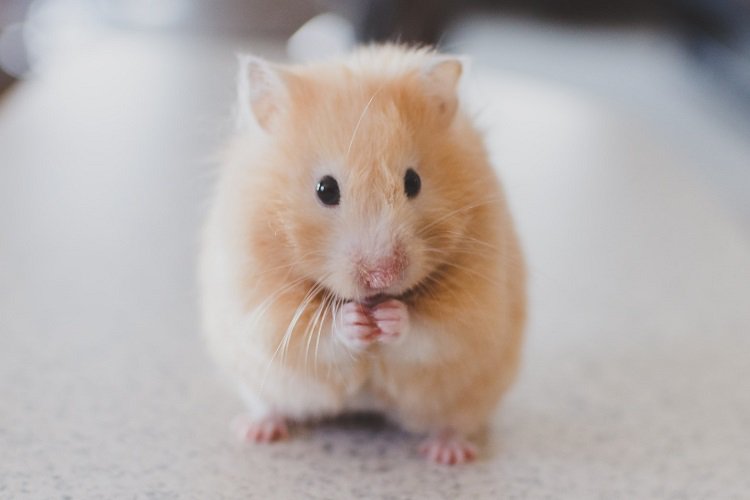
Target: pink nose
x=384, y=272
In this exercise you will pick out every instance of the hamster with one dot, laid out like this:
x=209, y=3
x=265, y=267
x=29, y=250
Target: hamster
x=359, y=254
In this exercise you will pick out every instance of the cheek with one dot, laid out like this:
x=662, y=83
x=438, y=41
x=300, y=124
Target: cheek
x=324, y=246
x=441, y=230
x=411, y=229
x=420, y=259
x=309, y=235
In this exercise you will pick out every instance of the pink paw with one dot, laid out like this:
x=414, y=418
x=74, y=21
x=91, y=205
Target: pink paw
x=264, y=430
x=392, y=319
x=355, y=328
x=448, y=449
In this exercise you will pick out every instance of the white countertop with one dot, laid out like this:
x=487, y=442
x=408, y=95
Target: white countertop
x=638, y=355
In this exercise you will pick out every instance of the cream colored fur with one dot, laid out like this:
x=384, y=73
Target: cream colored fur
x=276, y=264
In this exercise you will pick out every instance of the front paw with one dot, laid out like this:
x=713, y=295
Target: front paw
x=392, y=319
x=354, y=327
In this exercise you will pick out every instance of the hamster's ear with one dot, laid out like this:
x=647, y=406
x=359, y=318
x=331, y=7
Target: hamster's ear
x=441, y=77
x=261, y=91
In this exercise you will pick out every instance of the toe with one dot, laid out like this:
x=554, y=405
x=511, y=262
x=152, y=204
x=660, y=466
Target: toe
x=448, y=450
x=264, y=430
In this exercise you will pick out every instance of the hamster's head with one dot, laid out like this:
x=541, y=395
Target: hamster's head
x=368, y=181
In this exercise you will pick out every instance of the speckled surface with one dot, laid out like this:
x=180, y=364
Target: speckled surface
x=638, y=355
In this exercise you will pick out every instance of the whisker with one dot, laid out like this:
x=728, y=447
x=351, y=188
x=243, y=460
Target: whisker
x=295, y=319
x=317, y=321
x=456, y=212
x=310, y=329
x=329, y=302
x=261, y=312
x=285, y=266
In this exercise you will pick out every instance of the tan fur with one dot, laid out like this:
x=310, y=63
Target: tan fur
x=269, y=244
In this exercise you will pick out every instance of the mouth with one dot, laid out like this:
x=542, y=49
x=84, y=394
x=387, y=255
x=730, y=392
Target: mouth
x=368, y=298
x=377, y=298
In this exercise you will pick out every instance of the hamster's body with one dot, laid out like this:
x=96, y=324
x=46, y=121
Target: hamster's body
x=409, y=299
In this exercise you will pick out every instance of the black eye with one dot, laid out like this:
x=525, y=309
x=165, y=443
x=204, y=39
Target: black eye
x=412, y=183
x=328, y=190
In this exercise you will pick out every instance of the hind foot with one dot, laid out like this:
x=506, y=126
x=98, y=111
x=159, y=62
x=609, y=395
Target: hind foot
x=267, y=429
x=448, y=448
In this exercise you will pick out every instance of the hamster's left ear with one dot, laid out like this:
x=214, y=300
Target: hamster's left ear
x=441, y=77
x=261, y=91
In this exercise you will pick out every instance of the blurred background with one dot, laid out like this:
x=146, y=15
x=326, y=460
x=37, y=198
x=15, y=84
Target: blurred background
x=621, y=129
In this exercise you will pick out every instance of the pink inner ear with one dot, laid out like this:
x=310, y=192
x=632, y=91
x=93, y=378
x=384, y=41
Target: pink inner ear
x=441, y=81
x=445, y=106
x=443, y=75
x=258, y=81
x=263, y=108
x=261, y=93
x=263, y=89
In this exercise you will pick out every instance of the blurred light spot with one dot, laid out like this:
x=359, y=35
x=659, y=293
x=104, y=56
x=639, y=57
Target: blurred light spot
x=147, y=13
x=326, y=35
x=59, y=28
x=13, y=58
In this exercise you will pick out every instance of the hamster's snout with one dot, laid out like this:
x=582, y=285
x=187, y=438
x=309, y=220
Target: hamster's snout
x=383, y=272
